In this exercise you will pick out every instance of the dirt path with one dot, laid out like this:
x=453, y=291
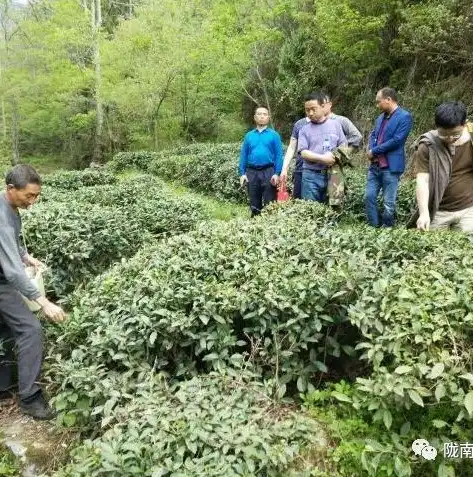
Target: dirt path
x=39, y=445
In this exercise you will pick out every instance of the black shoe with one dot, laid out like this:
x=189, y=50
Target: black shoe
x=8, y=394
x=38, y=408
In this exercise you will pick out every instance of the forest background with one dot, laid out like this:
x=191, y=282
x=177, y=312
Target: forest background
x=84, y=79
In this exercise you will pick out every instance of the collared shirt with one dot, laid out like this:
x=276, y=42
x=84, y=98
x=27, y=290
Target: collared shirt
x=260, y=149
x=12, y=269
x=313, y=135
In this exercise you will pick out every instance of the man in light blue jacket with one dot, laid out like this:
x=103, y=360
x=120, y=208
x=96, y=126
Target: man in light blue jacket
x=387, y=156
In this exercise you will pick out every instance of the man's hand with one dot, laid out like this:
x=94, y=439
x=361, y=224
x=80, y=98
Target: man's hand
x=53, y=312
x=423, y=222
x=370, y=155
x=33, y=262
x=243, y=180
x=328, y=159
x=275, y=180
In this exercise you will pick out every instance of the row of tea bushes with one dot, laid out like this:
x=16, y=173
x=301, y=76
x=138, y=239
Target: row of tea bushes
x=287, y=296
x=213, y=169
x=73, y=180
x=207, y=168
x=80, y=234
x=210, y=426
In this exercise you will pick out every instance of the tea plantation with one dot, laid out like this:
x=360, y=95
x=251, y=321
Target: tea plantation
x=301, y=343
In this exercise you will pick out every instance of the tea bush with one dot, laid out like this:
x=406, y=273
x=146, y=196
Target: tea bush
x=275, y=290
x=287, y=296
x=128, y=160
x=208, y=168
x=82, y=237
x=72, y=180
x=129, y=191
x=213, y=169
x=208, y=426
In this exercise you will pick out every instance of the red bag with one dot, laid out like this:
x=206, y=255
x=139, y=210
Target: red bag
x=283, y=194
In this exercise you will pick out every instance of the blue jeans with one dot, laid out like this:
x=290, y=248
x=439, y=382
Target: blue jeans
x=314, y=185
x=388, y=182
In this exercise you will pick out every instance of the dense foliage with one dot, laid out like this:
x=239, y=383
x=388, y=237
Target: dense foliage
x=212, y=168
x=57, y=68
x=80, y=233
x=72, y=180
x=295, y=298
x=210, y=426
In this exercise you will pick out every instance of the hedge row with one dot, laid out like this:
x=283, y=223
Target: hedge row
x=212, y=169
x=80, y=235
x=288, y=300
x=72, y=180
x=211, y=426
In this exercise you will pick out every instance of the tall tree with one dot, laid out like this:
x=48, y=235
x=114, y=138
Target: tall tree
x=96, y=15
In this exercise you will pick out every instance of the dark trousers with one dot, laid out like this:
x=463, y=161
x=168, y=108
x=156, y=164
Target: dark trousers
x=20, y=327
x=297, y=191
x=260, y=189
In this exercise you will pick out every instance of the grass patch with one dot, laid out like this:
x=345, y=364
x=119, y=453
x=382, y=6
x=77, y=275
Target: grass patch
x=218, y=209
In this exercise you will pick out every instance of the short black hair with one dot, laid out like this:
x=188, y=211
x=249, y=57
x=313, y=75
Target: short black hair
x=320, y=96
x=450, y=114
x=21, y=175
x=388, y=92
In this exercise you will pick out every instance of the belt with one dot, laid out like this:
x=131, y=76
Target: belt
x=261, y=168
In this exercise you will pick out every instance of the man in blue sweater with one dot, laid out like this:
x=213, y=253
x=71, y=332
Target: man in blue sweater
x=387, y=156
x=261, y=159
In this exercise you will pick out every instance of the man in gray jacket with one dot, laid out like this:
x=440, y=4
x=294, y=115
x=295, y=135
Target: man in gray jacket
x=18, y=325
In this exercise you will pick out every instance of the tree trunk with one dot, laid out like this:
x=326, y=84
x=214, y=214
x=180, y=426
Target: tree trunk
x=15, y=132
x=4, y=121
x=5, y=39
x=96, y=25
x=4, y=114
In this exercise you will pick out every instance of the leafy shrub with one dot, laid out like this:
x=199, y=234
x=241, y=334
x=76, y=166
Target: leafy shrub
x=127, y=160
x=83, y=237
x=72, y=180
x=209, y=168
x=209, y=426
x=130, y=191
x=275, y=290
x=303, y=210
x=288, y=296
x=365, y=448
x=172, y=167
